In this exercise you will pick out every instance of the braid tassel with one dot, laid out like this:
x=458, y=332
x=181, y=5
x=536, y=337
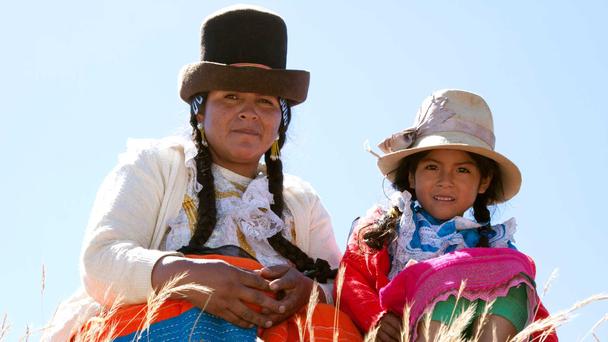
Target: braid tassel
x=275, y=151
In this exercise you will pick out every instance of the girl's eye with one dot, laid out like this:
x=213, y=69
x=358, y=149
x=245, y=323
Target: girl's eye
x=463, y=170
x=430, y=167
x=231, y=97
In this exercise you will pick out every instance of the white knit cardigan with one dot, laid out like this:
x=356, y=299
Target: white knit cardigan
x=129, y=220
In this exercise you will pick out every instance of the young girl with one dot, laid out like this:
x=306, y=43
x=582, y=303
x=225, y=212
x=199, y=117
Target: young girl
x=420, y=250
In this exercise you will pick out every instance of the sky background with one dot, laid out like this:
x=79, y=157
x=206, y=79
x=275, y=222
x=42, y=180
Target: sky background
x=78, y=78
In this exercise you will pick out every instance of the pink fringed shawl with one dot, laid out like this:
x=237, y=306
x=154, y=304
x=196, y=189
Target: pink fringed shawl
x=487, y=272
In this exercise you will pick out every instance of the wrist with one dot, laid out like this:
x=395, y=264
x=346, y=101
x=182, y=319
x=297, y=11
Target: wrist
x=167, y=268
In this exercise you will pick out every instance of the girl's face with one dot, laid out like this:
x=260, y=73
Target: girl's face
x=240, y=128
x=447, y=182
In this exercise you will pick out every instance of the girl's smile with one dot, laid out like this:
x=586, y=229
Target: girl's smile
x=447, y=182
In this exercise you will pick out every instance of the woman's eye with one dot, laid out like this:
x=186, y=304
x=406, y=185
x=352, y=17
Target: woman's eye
x=231, y=97
x=266, y=101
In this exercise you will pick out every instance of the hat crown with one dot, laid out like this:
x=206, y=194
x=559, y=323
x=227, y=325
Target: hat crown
x=464, y=116
x=245, y=34
x=463, y=106
x=447, y=117
x=244, y=49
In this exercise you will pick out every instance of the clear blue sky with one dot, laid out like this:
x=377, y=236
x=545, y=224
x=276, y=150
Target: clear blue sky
x=77, y=78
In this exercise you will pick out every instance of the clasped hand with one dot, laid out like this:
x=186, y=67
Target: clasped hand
x=292, y=288
x=233, y=287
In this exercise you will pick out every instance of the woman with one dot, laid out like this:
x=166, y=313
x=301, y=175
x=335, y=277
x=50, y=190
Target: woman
x=209, y=196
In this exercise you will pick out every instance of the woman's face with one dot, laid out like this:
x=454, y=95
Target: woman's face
x=240, y=128
x=447, y=182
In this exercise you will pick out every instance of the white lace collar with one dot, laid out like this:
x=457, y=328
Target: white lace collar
x=429, y=240
x=243, y=204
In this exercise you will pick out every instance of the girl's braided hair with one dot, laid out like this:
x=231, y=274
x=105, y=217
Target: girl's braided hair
x=207, y=211
x=384, y=230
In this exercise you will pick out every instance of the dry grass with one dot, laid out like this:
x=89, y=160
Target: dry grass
x=4, y=328
x=595, y=326
x=26, y=335
x=100, y=328
x=556, y=320
x=339, y=284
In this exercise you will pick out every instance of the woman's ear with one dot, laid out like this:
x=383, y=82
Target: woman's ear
x=200, y=118
x=484, y=184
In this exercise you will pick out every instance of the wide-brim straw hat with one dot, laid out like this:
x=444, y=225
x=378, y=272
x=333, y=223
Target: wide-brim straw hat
x=454, y=120
x=244, y=48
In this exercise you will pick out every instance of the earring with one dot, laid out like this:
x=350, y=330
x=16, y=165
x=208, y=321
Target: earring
x=201, y=129
x=275, y=151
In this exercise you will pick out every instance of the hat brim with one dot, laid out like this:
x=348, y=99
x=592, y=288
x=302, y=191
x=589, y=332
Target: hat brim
x=510, y=174
x=200, y=77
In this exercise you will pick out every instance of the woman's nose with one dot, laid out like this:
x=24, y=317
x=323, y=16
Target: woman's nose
x=248, y=111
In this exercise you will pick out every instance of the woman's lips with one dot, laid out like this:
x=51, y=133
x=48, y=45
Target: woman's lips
x=247, y=131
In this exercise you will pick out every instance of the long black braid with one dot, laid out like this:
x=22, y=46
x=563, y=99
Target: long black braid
x=488, y=168
x=207, y=212
x=385, y=230
x=482, y=215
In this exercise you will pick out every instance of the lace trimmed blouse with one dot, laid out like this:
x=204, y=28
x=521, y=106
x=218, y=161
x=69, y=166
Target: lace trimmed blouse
x=244, y=215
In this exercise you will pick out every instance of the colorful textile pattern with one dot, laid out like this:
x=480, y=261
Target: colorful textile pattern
x=422, y=237
x=191, y=325
x=487, y=272
x=179, y=320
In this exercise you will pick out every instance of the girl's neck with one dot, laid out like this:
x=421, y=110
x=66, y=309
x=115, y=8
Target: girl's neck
x=428, y=216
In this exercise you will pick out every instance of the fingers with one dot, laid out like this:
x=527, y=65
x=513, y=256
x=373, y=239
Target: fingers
x=244, y=313
x=283, y=283
x=290, y=303
x=253, y=280
x=392, y=322
x=291, y=280
x=259, y=298
x=384, y=336
x=234, y=319
x=390, y=327
x=273, y=272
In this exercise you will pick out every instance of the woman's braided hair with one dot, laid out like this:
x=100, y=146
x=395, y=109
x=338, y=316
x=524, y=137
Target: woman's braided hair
x=384, y=230
x=207, y=211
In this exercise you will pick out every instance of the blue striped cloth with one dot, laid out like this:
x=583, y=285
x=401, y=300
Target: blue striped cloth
x=192, y=325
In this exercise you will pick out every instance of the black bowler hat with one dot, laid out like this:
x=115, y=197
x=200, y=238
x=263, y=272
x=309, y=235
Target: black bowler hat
x=244, y=48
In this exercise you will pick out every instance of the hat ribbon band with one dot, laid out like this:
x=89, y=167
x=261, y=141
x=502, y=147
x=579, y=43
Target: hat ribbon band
x=436, y=119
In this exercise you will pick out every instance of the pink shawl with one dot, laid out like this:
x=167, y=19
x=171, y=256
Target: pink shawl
x=488, y=273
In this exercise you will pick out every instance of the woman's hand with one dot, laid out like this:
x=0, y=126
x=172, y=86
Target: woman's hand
x=232, y=288
x=389, y=328
x=292, y=287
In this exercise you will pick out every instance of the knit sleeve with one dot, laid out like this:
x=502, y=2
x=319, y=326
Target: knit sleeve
x=363, y=275
x=116, y=260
